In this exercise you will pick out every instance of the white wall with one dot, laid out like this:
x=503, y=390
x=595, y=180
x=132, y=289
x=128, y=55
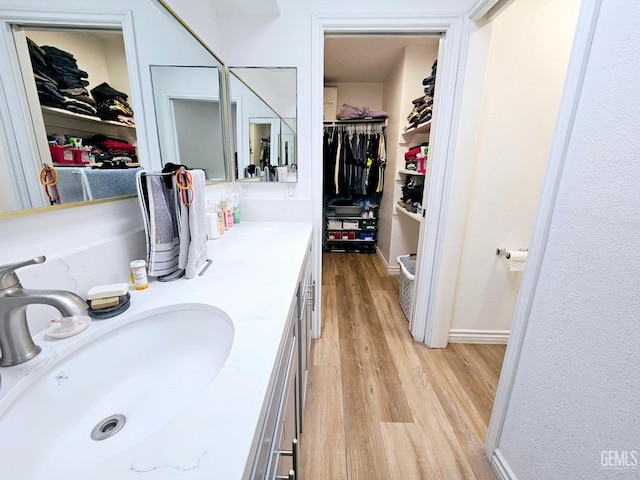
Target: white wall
x=359, y=94
x=118, y=73
x=576, y=389
x=523, y=84
x=392, y=104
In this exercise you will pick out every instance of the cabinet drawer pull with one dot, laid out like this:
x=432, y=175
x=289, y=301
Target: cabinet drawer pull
x=291, y=476
x=294, y=449
x=291, y=453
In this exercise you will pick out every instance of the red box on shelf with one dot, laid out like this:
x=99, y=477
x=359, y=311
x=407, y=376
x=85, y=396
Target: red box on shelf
x=60, y=154
x=348, y=235
x=80, y=157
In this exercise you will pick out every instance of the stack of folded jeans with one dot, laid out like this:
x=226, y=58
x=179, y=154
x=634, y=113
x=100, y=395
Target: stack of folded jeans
x=59, y=81
x=112, y=104
x=422, y=106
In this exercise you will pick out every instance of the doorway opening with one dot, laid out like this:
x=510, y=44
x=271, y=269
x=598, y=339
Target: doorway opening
x=498, y=116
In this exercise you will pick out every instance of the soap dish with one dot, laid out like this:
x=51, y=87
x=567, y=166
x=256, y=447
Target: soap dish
x=104, y=313
x=68, y=326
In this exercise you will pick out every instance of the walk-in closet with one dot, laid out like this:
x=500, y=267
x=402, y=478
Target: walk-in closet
x=378, y=104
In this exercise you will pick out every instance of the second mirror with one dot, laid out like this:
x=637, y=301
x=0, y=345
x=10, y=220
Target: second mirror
x=263, y=119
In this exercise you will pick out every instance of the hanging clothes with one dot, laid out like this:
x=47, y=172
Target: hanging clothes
x=354, y=157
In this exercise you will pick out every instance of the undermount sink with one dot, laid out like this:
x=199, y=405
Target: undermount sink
x=85, y=406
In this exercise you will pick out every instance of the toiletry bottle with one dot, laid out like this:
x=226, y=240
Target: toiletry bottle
x=211, y=217
x=221, y=222
x=229, y=213
x=236, y=208
x=223, y=208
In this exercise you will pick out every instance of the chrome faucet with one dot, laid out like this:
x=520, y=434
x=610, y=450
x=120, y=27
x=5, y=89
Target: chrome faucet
x=16, y=344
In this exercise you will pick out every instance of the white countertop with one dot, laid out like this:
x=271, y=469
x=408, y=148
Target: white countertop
x=253, y=279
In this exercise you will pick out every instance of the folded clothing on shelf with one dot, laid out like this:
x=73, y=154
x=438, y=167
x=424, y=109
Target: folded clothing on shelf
x=422, y=106
x=59, y=81
x=107, y=149
x=112, y=104
x=349, y=112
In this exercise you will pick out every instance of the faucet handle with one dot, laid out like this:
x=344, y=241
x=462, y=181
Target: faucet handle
x=8, y=277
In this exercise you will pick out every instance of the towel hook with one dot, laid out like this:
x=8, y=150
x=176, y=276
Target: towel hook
x=184, y=182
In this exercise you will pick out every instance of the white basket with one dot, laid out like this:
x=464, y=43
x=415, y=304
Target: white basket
x=407, y=275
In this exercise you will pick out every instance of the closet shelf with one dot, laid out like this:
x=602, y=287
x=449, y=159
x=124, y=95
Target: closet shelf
x=355, y=240
x=79, y=116
x=410, y=172
x=414, y=216
x=422, y=128
x=333, y=123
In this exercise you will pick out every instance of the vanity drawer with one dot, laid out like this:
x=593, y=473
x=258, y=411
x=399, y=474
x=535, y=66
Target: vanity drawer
x=268, y=434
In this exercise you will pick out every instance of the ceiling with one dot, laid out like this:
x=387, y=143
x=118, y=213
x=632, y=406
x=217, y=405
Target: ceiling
x=246, y=7
x=367, y=58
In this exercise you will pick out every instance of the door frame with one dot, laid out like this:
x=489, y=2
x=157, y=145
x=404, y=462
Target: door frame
x=455, y=32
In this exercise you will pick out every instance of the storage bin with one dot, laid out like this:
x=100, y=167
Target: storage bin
x=61, y=154
x=368, y=224
x=348, y=235
x=80, y=157
x=350, y=224
x=366, y=235
x=334, y=235
x=334, y=225
x=347, y=210
x=407, y=275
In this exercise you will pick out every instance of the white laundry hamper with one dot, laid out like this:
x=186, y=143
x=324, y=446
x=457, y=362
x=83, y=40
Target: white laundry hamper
x=407, y=275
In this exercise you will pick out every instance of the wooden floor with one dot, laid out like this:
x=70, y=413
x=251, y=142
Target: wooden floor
x=381, y=406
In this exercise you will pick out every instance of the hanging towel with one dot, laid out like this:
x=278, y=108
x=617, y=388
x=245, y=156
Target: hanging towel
x=282, y=173
x=158, y=205
x=193, y=232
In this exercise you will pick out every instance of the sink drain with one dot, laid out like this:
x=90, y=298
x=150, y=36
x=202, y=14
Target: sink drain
x=108, y=427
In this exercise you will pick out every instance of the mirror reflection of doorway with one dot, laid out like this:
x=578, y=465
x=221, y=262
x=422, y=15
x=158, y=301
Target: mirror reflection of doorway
x=260, y=140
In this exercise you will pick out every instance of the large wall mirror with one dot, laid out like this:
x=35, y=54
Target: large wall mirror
x=79, y=99
x=263, y=123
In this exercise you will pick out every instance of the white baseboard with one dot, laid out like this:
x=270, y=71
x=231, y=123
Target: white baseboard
x=501, y=467
x=390, y=270
x=463, y=335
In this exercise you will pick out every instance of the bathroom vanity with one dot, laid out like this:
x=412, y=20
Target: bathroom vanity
x=235, y=413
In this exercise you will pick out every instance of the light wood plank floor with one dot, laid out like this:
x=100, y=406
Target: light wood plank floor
x=381, y=406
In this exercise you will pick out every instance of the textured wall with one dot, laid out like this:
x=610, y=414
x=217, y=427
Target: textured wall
x=576, y=391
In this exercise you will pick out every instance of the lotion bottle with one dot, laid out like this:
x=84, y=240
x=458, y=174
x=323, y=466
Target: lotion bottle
x=221, y=222
x=229, y=214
